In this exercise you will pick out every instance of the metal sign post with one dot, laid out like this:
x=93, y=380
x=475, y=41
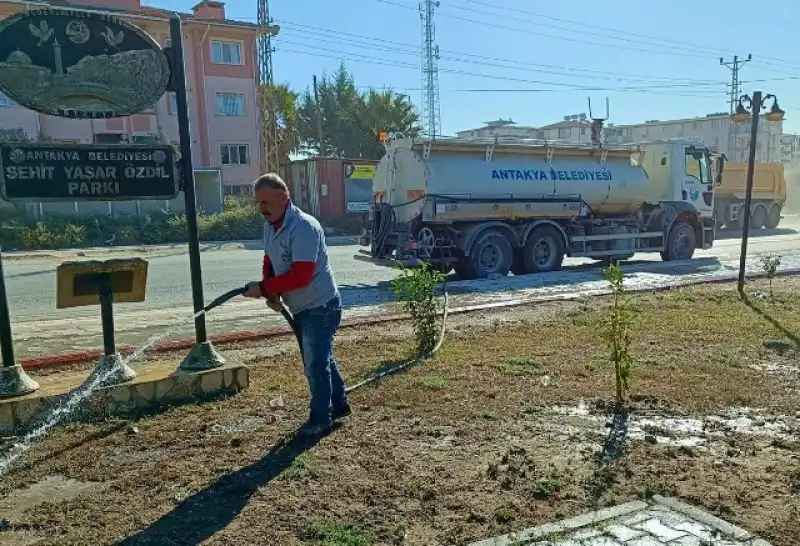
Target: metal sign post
x=13, y=379
x=203, y=355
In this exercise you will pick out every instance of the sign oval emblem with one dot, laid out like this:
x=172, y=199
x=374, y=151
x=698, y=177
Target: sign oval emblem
x=80, y=64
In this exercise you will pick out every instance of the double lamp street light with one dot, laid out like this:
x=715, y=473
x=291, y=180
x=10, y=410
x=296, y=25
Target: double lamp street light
x=749, y=109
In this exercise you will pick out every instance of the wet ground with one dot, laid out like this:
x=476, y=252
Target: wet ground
x=510, y=427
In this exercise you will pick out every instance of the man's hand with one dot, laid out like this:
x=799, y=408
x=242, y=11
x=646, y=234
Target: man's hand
x=253, y=290
x=275, y=303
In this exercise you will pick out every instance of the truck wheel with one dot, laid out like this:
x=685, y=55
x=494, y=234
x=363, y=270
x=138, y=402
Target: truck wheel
x=461, y=270
x=518, y=265
x=680, y=243
x=491, y=254
x=759, y=218
x=773, y=217
x=544, y=250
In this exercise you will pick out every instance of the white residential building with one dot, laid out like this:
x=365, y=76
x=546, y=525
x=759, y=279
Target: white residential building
x=502, y=128
x=715, y=130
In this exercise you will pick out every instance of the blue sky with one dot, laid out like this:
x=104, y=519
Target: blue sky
x=653, y=60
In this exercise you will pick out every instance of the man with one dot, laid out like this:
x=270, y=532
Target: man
x=296, y=270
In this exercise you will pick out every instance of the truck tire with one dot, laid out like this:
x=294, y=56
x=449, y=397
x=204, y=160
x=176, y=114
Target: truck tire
x=759, y=218
x=544, y=250
x=491, y=254
x=518, y=265
x=773, y=216
x=681, y=243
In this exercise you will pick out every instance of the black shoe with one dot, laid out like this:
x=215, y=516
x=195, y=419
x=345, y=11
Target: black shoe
x=341, y=412
x=314, y=430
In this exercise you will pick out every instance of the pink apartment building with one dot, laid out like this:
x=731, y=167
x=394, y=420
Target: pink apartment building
x=221, y=75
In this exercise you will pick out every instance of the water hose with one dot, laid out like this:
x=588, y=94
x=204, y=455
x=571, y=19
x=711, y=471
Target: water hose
x=287, y=315
x=225, y=297
x=419, y=359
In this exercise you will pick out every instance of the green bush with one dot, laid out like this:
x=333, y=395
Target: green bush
x=239, y=220
x=415, y=289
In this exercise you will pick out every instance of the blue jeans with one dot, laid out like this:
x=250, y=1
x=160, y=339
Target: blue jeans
x=317, y=327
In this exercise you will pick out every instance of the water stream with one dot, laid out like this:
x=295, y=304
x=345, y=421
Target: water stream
x=79, y=395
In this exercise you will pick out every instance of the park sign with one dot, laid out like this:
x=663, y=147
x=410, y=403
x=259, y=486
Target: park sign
x=87, y=172
x=80, y=64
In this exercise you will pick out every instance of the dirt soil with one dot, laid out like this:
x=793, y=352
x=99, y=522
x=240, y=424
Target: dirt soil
x=510, y=426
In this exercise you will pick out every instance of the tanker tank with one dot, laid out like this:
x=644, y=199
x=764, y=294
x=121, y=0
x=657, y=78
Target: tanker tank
x=407, y=172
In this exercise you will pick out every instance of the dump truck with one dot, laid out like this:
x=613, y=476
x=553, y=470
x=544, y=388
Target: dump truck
x=487, y=208
x=767, y=201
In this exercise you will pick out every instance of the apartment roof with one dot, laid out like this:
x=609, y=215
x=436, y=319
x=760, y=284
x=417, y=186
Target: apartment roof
x=495, y=126
x=144, y=11
x=564, y=125
x=718, y=115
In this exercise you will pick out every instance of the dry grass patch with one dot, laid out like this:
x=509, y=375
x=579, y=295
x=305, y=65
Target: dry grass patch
x=463, y=447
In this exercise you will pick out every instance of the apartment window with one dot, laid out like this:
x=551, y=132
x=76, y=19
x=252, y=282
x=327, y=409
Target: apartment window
x=235, y=154
x=226, y=52
x=230, y=104
x=5, y=102
x=110, y=138
x=172, y=105
x=563, y=133
x=146, y=139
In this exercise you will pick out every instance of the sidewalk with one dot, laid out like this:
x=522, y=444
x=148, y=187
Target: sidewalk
x=167, y=248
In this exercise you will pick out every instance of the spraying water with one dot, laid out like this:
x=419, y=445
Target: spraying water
x=80, y=394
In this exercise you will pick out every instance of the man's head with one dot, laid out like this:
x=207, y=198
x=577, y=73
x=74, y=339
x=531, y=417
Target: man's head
x=272, y=194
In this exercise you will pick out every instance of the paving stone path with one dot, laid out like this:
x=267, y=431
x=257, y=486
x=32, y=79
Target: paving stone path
x=660, y=521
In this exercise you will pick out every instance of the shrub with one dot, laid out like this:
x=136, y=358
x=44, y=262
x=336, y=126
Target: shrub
x=415, y=288
x=618, y=332
x=771, y=263
x=238, y=221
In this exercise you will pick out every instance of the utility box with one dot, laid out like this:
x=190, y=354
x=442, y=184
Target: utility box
x=79, y=283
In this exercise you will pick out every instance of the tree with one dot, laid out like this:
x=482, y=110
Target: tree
x=351, y=121
x=288, y=121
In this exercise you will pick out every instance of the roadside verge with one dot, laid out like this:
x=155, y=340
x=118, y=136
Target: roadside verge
x=78, y=357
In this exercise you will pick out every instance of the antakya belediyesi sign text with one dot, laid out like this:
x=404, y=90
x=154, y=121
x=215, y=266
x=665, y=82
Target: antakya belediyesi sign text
x=86, y=173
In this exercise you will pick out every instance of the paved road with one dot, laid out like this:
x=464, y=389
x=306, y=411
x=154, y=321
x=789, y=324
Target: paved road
x=40, y=328
x=32, y=286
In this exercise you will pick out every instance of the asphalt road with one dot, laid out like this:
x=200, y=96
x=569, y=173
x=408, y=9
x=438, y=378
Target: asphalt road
x=31, y=286
x=40, y=328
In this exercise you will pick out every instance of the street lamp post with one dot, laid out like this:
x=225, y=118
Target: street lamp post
x=749, y=108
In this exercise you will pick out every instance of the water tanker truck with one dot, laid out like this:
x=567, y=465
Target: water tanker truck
x=489, y=207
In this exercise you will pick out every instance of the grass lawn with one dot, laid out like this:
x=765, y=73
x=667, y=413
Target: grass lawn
x=503, y=430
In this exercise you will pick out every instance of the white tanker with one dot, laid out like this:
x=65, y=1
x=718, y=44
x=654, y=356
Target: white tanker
x=490, y=207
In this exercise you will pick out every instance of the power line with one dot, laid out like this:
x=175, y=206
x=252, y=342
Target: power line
x=343, y=43
x=670, y=52
x=339, y=36
x=408, y=49
x=382, y=60
x=378, y=61
x=699, y=87
x=599, y=27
